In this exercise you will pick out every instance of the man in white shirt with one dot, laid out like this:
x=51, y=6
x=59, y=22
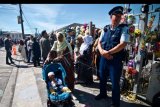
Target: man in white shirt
x=29, y=48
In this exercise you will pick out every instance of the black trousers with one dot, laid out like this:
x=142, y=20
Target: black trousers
x=97, y=66
x=26, y=53
x=44, y=58
x=8, y=56
x=36, y=60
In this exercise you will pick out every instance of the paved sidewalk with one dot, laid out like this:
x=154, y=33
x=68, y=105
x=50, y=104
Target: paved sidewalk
x=26, y=92
x=83, y=96
x=8, y=75
x=20, y=90
x=24, y=87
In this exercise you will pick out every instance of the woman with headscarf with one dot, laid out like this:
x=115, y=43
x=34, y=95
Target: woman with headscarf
x=61, y=45
x=21, y=49
x=65, y=57
x=84, y=60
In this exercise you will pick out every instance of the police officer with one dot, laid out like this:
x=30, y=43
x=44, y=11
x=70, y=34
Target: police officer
x=71, y=37
x=111, y=46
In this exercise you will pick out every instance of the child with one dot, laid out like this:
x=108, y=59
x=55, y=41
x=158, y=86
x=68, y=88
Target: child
x=55, y=84
x=51, y=56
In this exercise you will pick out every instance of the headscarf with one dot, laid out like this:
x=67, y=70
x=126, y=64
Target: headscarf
x=62, y=45
x=88, y=40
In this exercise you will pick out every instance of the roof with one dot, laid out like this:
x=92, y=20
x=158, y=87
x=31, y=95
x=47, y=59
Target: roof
x=68, y=26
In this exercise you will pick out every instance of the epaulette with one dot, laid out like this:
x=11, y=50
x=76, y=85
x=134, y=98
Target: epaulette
x=106, y=28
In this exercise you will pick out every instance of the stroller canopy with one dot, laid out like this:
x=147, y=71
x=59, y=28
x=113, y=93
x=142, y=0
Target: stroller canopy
x=58, y=70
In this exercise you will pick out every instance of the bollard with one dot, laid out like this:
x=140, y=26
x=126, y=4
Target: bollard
x=14, y=49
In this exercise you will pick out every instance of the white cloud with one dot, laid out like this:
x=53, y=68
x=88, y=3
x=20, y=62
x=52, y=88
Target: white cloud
x=9, y=6
x=48, y=26
x=45, y=11
x=43, y=16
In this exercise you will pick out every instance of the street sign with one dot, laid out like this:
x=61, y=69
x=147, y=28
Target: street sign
x=19, y=19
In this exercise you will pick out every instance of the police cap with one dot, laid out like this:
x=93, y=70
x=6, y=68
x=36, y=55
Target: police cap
x=116, y=10
x=69, y=30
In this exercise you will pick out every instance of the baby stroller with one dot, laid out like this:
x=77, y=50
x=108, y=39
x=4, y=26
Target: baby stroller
x=63, y=99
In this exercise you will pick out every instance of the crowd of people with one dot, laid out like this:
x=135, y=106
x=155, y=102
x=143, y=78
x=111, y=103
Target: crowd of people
x=82, y=53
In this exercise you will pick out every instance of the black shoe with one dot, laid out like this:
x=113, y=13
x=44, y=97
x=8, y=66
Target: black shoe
x=8, y=63
x=49, y=104
x=12, y=62
x=113, y=105
x=100, y=96
x=79, y=82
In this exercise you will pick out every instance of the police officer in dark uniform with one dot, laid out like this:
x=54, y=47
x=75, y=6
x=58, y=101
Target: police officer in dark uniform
x=111, y=46
x=8, y=48
x=71, y=37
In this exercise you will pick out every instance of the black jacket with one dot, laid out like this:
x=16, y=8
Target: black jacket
x=7, y=44
x=36, y=49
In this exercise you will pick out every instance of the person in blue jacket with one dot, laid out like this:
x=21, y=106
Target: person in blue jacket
x=111, y=44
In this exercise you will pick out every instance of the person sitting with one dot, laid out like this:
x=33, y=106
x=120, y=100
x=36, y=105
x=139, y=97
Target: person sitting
x=84, y=61
x=55, y=84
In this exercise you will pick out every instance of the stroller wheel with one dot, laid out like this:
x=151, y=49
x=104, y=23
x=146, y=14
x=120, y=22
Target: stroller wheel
x=69, y=104
x=52, y=105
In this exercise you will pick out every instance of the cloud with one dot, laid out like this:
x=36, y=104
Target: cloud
x=43, y=16
x=9, y=6
x=49, y=26
x=45, y=11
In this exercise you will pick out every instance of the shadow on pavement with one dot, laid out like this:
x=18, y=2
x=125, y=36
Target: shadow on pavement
x=14, y=65
x=96, y=85
x=17, y=60
x=22, y=66
x=126, y=104
x=87, y=99
x=2, y=50
x=19, y=66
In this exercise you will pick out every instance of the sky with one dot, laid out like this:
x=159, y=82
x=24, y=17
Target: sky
x=50, y=17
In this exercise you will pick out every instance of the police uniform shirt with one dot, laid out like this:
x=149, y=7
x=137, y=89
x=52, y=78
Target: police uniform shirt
x=125, y=37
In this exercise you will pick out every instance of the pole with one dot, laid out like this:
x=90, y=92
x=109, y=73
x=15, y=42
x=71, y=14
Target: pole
x=138, y=22
x=36, y=32
x=90, y=28
x=159, y=22
x=20, y=10
x=146, y=20
x=140, y=58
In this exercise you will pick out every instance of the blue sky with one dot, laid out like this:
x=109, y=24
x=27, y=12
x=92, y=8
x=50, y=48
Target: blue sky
x=53, y=16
